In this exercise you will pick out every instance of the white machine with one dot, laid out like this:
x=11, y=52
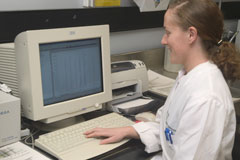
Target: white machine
x=129, y=81
x=63, y=72
x=9, y=119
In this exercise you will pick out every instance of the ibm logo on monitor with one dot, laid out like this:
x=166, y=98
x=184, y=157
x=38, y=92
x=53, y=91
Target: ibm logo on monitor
x=72, y=33
x=4, y=112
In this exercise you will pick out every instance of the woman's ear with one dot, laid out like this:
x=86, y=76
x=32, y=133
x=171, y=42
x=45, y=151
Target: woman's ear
x=192, y=34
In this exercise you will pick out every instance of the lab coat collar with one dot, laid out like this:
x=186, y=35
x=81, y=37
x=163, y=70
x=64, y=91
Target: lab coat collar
x=183, y=78
x=197, y=68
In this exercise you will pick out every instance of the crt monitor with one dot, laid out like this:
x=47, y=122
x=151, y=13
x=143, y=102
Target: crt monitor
x=63, y=72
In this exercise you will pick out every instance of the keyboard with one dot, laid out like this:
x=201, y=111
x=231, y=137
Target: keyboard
x=70, y=144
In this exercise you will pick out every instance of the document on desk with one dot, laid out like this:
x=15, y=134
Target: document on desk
x=20, y=151
x=159, y=84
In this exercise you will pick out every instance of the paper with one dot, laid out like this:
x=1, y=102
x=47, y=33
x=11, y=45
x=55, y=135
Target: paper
x=159, y=84
x=133, y=103
x=152, y=5
x=20, y=151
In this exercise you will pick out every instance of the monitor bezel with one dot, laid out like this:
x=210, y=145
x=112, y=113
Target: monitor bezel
x=30, y=83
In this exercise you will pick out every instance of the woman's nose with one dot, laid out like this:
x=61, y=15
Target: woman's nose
x=164, y=40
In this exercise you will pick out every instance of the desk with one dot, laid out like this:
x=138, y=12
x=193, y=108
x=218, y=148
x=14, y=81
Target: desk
x=133, y=149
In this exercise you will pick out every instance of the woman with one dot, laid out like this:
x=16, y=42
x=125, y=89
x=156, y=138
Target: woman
x=197, y=120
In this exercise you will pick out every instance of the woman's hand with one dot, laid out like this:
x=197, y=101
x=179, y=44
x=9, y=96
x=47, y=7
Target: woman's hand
x=112, y=134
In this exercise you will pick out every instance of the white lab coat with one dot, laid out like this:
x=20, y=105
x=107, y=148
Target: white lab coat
x=200, y=113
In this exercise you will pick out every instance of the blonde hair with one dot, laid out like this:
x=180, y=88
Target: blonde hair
x=206, y=17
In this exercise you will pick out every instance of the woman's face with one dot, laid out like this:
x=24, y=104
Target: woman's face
x=175, y=39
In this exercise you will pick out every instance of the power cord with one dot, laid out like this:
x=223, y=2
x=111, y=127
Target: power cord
x=5, y=88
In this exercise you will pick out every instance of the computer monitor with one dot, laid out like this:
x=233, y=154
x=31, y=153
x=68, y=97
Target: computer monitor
x=63, y=72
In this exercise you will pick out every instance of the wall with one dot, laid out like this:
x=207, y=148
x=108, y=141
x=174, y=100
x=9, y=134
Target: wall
x=121, y=42
x=138, y=40
x=17, y=5
x=13, y=5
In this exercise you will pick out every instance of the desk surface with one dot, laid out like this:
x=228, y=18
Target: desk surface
x=132, y=150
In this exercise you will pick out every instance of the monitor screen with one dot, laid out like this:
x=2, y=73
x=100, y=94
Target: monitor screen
x=63, y=72
x=70, y=69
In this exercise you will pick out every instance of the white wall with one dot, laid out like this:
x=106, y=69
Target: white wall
x=12, y=5
x=137, y=40
x=16, y=5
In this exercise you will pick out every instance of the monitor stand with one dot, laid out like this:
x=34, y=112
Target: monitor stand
x=49, y=127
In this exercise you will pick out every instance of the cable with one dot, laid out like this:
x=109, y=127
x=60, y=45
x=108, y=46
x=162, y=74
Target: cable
x=31, y=143
x=235, y=34
x=220, y=4
x=5, y=88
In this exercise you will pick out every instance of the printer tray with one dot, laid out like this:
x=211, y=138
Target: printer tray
x=152, y=106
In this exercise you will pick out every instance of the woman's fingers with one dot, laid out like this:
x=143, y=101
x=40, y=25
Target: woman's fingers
x=111, y=135
x=96, y=132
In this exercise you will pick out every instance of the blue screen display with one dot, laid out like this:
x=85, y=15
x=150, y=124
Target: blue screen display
x=71, y=69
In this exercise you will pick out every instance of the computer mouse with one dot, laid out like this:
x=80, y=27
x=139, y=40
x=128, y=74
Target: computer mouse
x=145, y=117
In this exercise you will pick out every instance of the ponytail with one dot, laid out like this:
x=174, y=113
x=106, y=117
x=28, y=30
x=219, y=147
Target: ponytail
x=227, y=58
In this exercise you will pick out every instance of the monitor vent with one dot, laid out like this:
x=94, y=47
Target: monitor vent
x=8, y=73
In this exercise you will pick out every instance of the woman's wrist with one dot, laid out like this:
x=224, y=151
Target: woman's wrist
x=130, y=132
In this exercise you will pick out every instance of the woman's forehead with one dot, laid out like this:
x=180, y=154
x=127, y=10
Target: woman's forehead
x=169, y=19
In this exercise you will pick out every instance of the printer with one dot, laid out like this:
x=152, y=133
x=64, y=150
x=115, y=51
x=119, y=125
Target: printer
x=129, y=81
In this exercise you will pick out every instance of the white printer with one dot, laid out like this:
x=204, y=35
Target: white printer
x=10, y=121
x=129, y=81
